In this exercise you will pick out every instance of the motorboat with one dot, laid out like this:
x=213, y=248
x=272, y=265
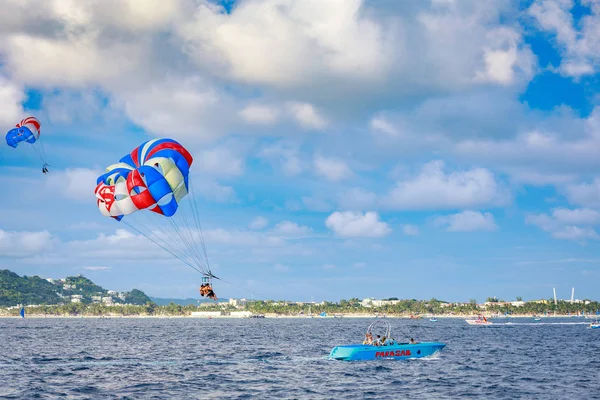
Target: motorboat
x=389, y=350
x=481, y=320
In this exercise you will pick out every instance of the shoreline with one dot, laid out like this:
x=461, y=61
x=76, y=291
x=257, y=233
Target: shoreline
x=274, y=316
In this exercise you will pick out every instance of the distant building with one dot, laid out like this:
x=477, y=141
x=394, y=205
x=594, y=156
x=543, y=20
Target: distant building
x=76, y=298
x=517, y=303
x=107, y=300
x=96, y=299
x=112, y=292
x=237, y=303
x=50, y=280
x=377, y=303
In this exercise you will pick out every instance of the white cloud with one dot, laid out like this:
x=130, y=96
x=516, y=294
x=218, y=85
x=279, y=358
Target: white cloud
x=289, y=228
x=354, y=224
x=331, y=169
x=433, y=188
x=24, y=244
x=11, y=97
x=285, y=44
x=329, y=266
x=467, y=221
x=74, y=183
x=502, y=57
x=97, y=268
x=579, y=48
x=584, y=194
x=220, y=161
x=381, y=125
x=307, y=116
x=216, y=192
x=284, y=156
x=259, y=114
x=359, y=265
x=192, y=110
x=410, y=230
x=258, y=223
x=569, y=224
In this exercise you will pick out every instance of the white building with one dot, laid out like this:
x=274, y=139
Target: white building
x=96, y=299
x=50, y=280
x=112, y=292
x=238, y=303
x=107, y=300
x=76, y=298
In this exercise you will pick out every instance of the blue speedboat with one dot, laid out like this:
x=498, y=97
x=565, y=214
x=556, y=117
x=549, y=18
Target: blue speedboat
x=390, y=349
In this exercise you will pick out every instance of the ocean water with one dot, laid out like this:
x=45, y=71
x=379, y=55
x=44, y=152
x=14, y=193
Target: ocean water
x=176, y=358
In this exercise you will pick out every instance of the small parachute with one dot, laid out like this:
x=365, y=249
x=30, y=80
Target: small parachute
x=149, y=190
x=28, y=130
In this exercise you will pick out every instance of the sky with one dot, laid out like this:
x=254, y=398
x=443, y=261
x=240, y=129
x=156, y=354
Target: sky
x=342, y=148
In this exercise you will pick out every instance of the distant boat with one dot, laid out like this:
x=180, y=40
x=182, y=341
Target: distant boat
x=595, y=325
x=481, y=320
x=536, y=318
x=22, y=312
x=433, y=319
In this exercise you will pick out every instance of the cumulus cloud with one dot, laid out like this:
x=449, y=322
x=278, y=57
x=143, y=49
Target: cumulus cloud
x=259, y=114
x=220, y=161
x=11, y=97
x=330, y=168
x=24, y=244
x=584, y=194
x=410, y=230
x=307, y=116
x=289, y=228
x=74, y=183
x=433, y=188
x=283, y=156
x=570, y=224
x=216, y=192
x=579, y=47
x=467, y=221
x=382, y=126
x=356, y=224
x=258, y=223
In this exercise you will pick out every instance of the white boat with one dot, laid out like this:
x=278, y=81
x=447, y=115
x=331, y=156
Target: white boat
x=481, y=320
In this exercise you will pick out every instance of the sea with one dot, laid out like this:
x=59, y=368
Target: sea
x=286, y=358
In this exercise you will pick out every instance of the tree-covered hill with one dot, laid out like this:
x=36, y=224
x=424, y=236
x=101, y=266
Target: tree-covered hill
x=26, y=290
x=17, y=290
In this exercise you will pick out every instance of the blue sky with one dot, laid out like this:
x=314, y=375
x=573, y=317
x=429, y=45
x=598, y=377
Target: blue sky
x=343, y=149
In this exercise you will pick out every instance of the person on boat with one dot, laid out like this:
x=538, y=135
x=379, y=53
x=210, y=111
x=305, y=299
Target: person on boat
x=383, y=341
x=391, y=341
x=368, y=338
x=412, y=341
x=377, y=341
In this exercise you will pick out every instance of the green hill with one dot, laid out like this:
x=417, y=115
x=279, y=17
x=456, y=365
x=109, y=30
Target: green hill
x=26, y=290
x=15, y=290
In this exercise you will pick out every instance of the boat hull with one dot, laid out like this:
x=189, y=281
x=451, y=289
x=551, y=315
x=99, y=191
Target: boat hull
x=594, y=326
x=399, y=351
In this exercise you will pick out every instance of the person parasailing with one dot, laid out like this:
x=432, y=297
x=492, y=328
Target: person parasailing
x=150, y=190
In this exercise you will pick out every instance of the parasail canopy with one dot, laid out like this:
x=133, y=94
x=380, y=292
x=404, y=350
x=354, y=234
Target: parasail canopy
x=149, y=190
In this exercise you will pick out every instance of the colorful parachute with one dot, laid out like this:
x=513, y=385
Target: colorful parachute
x=147, y=190
x=28, y=130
